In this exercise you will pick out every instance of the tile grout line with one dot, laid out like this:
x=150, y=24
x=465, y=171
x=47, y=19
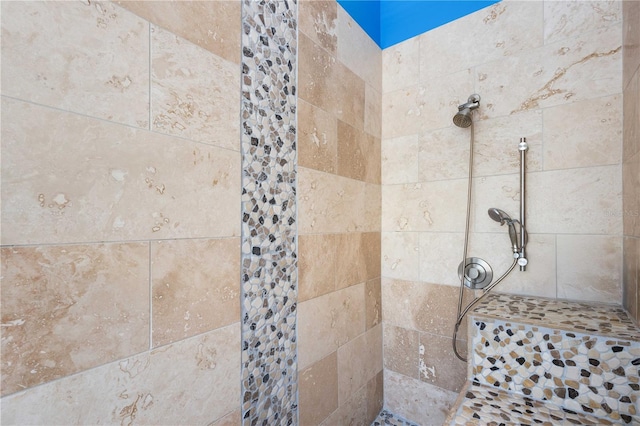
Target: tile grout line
x=150, y=302
x=150, y=74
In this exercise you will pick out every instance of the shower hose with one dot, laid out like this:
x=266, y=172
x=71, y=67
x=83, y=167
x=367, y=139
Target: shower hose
x=462, y=312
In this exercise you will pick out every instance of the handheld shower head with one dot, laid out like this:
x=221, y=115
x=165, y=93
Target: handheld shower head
x=501, y=217
x=463, y=116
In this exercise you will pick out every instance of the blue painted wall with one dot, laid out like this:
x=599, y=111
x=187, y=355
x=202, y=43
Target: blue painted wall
x=389, y=22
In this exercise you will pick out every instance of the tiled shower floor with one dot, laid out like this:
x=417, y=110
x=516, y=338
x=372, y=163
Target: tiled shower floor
x=388, y=418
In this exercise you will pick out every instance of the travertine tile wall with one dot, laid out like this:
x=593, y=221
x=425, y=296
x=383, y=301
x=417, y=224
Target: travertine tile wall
x=339, y=311
x=631, y=157
x=120, y=212
x=548, y=71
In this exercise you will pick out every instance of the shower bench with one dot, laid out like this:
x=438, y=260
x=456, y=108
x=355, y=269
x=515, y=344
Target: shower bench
x=550, y=362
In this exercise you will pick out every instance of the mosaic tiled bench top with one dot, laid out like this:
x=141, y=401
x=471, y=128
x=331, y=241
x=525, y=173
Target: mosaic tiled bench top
x=583, y=317
x=581, y=357
x=480, y=405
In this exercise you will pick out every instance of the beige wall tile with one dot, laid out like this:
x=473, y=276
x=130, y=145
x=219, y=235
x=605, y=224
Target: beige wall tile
x=503, y=29
x=362, y=408
x=584, y=67
x=569, y=19
x=373, y=303
x=440, y=255
x=631, y=117
x=401, y=350
x=401, y=65
x=359, y=361
x=318, y=21
x=328, y=84
x=589, y=267
x=328, y=322
x=69, y=308
x=372, y=111
x=316, y=265
x=315, y=67
x=350, y=260
x=402, y=111
x=496, y=143
x=582, y=200
x=444, y=154
x=357, y=258
x=502, y=192
x=331, y=204
x=317, y=138
x=421, y=306
x=596, y=142
x=631, y=276
x=371, y=247
x=145, y=387
x=540, y=277
x=631, y=196
x=232, y=419
x=401, y=255
x=415, y=400
x=318, y=389
x=195, y=287
x=106, y=182
x=194, y=94
x=349, y=91
x=439, y=365
x=44, y=64
x=400, y=160
x=358, y=154
x=357, y=51
x=372, y=211
x=212, y=25
x=375, y=397
x=430, y=206
x=631, y=40
x=574, y=201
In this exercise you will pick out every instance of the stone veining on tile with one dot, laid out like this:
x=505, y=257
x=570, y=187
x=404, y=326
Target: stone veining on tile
x=550, y=89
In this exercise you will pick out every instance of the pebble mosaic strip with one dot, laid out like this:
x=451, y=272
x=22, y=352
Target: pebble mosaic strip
x=388, y=418
x=485, y=406
x=269, y=274
x=584, y=373
x=606, y=320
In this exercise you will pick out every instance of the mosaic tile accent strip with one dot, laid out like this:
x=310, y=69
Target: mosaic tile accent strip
x=486, y=406
x=606, y=320
x=590, y=374
x=269, y=265
x=388, y=418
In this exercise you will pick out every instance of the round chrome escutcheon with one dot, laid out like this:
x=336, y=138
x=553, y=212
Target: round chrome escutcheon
x=477, y=273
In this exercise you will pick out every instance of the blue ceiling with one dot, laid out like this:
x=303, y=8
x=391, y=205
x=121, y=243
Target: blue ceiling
x=389, y=22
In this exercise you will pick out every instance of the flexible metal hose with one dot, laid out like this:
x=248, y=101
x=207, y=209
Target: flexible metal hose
x=473, y=303
x=460, y=312
x=466, y=239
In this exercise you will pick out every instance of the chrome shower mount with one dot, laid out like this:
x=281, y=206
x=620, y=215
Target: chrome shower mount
x=518, y=238
x=463, y=116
